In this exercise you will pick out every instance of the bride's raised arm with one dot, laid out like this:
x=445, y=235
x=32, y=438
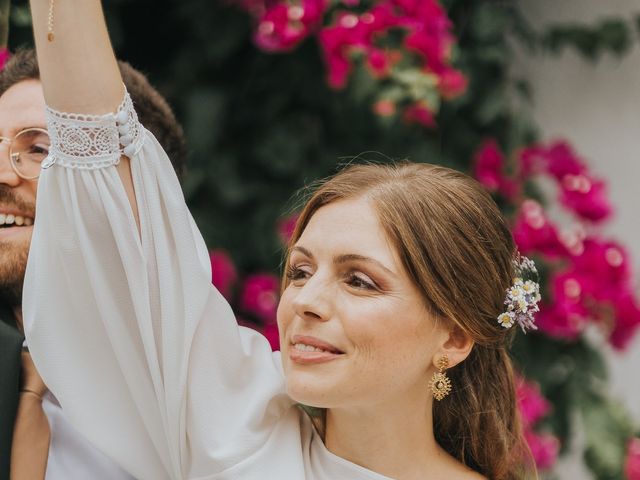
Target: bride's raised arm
x=121, y=318
x=77, y=65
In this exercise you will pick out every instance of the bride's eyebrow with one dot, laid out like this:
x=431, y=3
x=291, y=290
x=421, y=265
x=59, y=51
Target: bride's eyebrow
x=353, y=257
x=345, y=258
x=302, y=250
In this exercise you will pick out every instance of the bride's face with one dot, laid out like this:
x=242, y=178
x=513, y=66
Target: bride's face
x=354, y=329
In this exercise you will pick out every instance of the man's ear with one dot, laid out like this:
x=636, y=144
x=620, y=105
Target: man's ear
x=457, y=346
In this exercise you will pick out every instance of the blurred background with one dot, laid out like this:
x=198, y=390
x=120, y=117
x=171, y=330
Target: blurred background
x=538, y=99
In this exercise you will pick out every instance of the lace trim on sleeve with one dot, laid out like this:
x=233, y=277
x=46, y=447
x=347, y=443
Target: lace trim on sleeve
x=89, y=142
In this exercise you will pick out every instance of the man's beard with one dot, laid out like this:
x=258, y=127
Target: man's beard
x=13, y=263
x=13, y=254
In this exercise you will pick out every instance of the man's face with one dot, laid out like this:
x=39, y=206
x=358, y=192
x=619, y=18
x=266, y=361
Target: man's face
x=21, y=106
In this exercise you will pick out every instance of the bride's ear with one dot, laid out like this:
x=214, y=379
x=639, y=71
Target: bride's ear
x=456, y=346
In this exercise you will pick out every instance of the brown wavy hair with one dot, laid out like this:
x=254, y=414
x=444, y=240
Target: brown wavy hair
x=457, y=248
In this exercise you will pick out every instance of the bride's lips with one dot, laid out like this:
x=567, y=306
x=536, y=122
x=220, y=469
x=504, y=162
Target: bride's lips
x=308, y=350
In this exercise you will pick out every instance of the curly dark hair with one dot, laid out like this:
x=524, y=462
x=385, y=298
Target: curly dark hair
x=153, y=110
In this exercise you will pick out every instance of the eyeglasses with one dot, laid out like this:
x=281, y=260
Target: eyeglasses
x=27, y=150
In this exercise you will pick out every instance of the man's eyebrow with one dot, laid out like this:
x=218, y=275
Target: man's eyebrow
x=347, y=257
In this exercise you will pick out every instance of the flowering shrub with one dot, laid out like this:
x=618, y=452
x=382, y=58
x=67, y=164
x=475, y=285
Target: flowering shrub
x=406, y=46
x=533, y=408
x=589, y=279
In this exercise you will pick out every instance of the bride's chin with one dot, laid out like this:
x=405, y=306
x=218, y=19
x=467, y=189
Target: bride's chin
x=308, y=395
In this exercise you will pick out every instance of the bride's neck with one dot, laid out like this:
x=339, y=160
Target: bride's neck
x=394, y=440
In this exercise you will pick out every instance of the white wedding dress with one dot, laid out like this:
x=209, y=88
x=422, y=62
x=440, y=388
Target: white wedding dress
x=142, y=352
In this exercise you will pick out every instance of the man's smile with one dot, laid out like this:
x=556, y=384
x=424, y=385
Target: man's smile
x=8, y=220
x=14, y=222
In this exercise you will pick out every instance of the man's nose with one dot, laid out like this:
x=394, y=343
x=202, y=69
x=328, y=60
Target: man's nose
x=8, y=175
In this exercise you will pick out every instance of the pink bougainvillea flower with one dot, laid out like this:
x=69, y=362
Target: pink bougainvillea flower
x=224, y=272
x=286, y=226
x=336, y=42
x=488, y=165
x=260, y=295
x=632, y=463
x=532, y=160
x=586, y=197
x=571, y=286
x=488, y=169
x=573, y=239
x=284, y=25
x=5, y=55
x=430, y=32
x=580, y=193
x=452, y=83
x=627, y=321
x=562, y=319
x=561, y=160
x=378, y=62
x=350, y=33
x=544, y=448
x=532, y=405
x=419, y=113
x=607, y=264
x=535, y=233
x=566, y=316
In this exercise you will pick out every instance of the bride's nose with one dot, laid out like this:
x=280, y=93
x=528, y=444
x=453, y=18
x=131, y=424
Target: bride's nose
x=313, y=300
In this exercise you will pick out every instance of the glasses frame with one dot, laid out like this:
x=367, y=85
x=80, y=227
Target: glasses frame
x=15, y=156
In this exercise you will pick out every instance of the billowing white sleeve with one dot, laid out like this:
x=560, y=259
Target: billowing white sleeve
x=142, y=352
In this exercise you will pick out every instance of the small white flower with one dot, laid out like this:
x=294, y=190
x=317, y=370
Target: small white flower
x=516, y=292
x=507, y=319
x=522, y=305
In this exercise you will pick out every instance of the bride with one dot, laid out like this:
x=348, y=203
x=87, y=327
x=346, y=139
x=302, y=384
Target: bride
x=393, y=323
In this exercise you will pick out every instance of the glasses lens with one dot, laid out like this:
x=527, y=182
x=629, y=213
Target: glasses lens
x=28, y=149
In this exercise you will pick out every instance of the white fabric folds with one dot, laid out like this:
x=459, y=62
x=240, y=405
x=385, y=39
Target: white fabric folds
x=142, y=352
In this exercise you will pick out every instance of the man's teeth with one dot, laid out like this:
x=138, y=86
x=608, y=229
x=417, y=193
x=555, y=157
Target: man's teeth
x=18, y=220
x=308, y=348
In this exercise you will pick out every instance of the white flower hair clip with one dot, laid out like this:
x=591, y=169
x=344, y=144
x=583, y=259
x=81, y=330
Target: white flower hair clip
x=522, y=297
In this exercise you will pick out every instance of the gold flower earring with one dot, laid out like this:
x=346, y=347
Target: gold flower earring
x=440, y=384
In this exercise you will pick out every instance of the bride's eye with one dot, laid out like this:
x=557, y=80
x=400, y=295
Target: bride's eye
x=360, y=282
x=296, y=274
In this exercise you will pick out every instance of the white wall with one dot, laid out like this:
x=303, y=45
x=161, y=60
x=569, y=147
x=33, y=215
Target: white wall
x=596, y=106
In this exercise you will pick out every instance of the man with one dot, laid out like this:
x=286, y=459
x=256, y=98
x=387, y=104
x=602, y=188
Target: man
x=23, y=143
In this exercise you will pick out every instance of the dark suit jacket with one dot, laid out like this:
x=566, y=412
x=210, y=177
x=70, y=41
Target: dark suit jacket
x=10, y=348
